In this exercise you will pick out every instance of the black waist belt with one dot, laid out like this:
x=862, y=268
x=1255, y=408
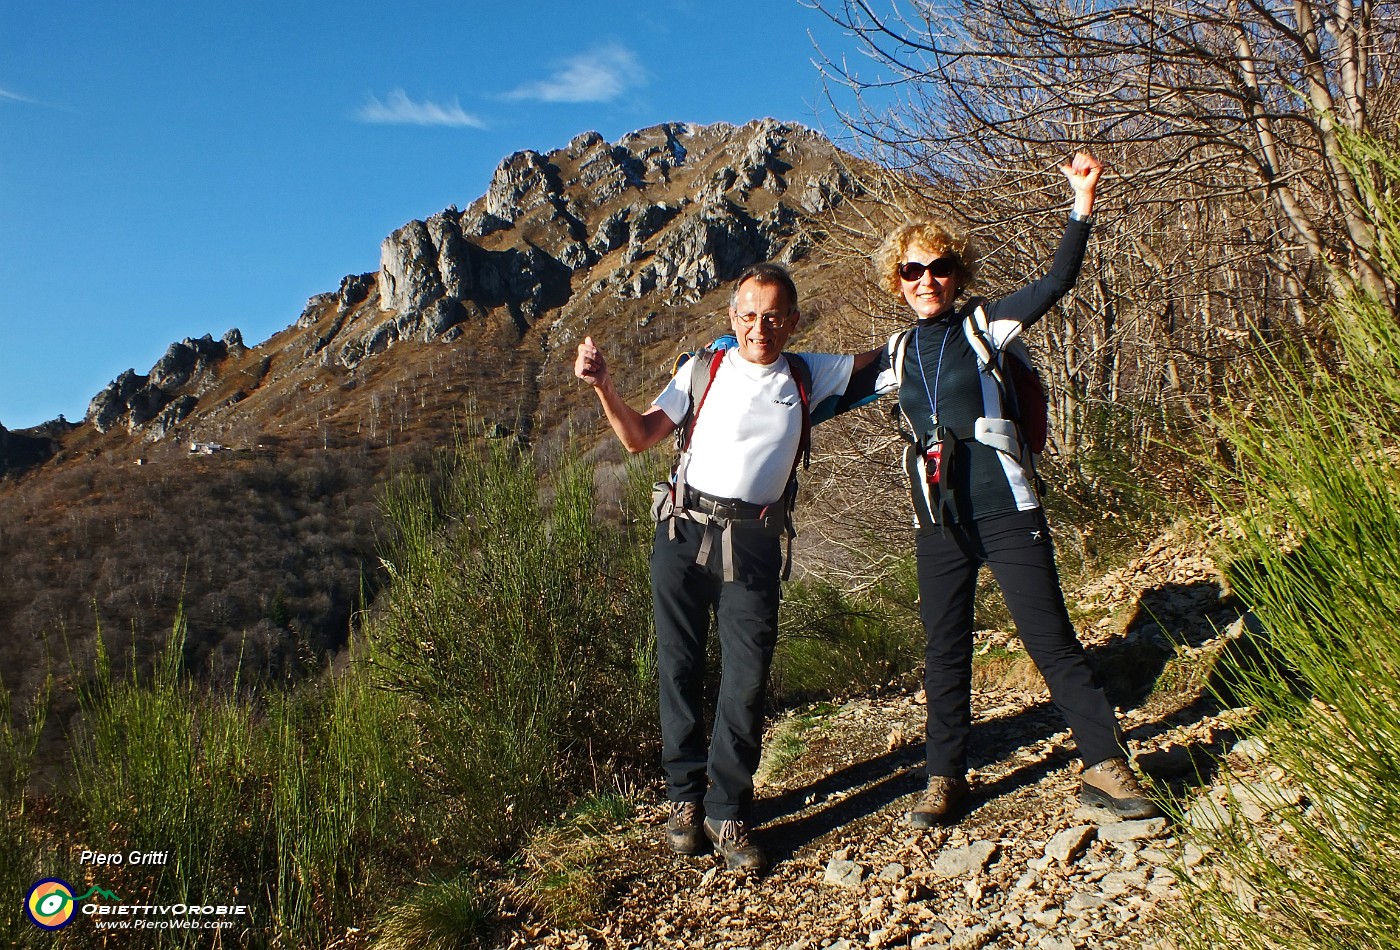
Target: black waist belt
x=719, y=516
x=729, y=508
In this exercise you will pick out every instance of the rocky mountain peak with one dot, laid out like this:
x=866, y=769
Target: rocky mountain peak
x=159, y=400
x=665, y=214
x=670, y=211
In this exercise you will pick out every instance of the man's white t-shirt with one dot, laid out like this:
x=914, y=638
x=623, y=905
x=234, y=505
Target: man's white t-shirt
x=749, y=428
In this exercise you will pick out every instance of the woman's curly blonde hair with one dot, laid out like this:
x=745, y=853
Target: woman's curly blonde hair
x=940, y=237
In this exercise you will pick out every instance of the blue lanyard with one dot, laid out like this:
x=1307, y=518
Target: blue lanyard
x=937, y=372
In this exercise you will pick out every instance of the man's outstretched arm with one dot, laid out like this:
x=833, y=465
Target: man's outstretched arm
x=637, y=431
x=861, y=388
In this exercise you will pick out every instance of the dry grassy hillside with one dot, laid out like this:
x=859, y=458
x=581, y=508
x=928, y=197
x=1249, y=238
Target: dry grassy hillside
x=269, y=541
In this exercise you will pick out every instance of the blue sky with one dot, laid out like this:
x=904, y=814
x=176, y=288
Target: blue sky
x=171, y=169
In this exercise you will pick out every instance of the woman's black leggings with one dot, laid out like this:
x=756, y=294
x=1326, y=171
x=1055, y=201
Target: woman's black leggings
x=1018, y=549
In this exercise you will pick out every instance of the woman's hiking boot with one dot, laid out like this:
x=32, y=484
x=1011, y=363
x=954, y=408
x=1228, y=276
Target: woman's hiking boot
x=940, y=801
x=1111, y=785
x=732, y=842
x=683, y=832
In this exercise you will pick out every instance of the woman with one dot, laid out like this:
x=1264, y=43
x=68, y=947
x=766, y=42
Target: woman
x=975, y=504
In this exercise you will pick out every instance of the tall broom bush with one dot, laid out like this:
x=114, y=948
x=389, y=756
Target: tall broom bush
x=1314, y=501
x=300, y=806
x=20, y=732
x=513, y=627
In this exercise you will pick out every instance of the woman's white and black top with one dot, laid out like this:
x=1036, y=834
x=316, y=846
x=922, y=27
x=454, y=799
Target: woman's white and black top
x=941, y=370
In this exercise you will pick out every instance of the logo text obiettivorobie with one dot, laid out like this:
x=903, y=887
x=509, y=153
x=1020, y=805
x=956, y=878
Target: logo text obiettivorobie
x=52, y=904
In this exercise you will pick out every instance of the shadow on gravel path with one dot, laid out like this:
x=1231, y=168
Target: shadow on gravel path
x=1163, y=617
x=798, y=817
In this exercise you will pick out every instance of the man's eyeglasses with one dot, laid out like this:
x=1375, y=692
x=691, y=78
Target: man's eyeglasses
x=913, y=271
x=770, y=321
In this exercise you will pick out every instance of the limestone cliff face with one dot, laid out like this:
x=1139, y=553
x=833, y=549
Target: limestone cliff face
x=159, y=400
x=671, y=212
x=663, y=216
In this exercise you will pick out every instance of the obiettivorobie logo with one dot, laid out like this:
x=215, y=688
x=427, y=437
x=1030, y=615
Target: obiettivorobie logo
x=51, y=904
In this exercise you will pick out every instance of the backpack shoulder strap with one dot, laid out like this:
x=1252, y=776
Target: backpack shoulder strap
x=1010, y=366
x=802, y=376
x=702, y=377
x=897, y=347
x=978, y=330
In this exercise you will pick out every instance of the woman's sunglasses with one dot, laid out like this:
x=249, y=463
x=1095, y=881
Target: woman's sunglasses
x=941, y=267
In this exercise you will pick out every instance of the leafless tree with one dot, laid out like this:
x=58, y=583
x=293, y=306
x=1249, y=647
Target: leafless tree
x=1230, y=214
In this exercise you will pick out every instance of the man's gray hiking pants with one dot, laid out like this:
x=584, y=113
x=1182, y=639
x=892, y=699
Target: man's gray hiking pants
x=746, y=609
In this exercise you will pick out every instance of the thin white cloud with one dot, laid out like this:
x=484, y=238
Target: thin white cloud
x=398, y=109
x=599, y=75
x=14, y=96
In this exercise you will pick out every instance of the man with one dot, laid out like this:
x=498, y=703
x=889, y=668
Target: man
x=716, y=548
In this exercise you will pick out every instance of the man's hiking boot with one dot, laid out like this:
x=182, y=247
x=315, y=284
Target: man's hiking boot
x=731, y=841
x=940, y=801
x=683, y=832
x=1111, y=785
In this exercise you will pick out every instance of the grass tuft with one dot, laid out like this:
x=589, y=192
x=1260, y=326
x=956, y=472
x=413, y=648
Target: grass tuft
x=565, y=878
x=455, y=914
x=790, y=740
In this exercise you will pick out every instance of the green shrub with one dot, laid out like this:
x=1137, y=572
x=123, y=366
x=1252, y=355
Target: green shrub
x=345, y=802
x=19, y=847
x=833, y=643
x=302, y=807
x=514, y=629
x=163, y=766
x=1315, y=490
